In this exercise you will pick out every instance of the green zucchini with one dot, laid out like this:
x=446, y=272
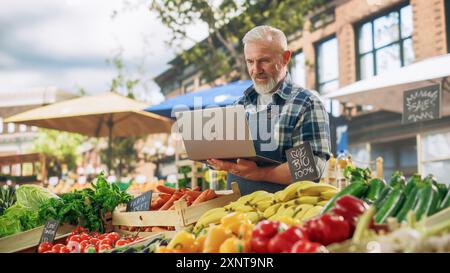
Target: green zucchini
x=434, y=203
x=446, y=202
x=382, y=198
x=442, y=190
x=393, y=203
x=357, y=189
x=424, y=202
x=375, y=187
x=410, y=201
x=413, y=182
x=397, y=180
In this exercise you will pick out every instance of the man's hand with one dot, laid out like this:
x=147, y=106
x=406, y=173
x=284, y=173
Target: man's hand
x=243, y=168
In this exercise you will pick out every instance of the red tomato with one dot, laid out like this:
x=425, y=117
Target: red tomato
x=64, y=249
x=101, y=237
x=74, y=247
x=49, y=251
x=83, y=245
x=94, y=241
x=56, y=248
x=106, y=241
x=84, y=237
x=76, y=238
x=45, y=246
x=104, y=247
x=113, y=236
x=122, y=242
x=94, y=234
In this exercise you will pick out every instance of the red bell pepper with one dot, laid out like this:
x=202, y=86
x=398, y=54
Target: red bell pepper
x=263, y=232
x=350, y=208
x=283, y=242
x=308, y=247
x=327, y=229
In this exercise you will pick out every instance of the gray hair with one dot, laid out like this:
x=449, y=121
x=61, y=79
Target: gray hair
x=267, y=34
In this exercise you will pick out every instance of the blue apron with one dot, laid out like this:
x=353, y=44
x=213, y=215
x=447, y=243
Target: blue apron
x=249, y=186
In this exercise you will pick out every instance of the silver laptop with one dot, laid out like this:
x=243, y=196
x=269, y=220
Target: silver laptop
x=219, y=133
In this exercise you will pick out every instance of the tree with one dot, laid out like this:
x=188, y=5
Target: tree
x=60, y=147
x=227, y=21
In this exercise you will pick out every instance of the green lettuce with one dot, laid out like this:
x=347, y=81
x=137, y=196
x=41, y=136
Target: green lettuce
x=33, y=196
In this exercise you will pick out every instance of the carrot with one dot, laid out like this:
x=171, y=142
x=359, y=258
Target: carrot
x=196, y=188
x=154, y=229
x=201, y=197
x=211, y=195
x=165, y=189
x=172, y=199
x=193, y=194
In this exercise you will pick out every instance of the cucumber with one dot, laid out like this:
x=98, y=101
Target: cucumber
x=434, y=203
x=397, y=180
x=393, y=202
x=357, y=189
x=413, y=182
x=385, y=192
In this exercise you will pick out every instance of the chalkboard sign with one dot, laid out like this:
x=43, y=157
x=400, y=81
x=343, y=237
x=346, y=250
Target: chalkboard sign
x=301, y=163
x=140, y=203
x=49, y=232
x=422, y=104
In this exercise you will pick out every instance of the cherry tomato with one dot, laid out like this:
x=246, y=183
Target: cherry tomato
x=64, y=249
x=76, y=238
x=45, y=246
x=94, y=234
x=83, y=245
x=56, y=248
x=113, y=236
x=74, y=247
x=94, y=241
x=84, y=236
x=106, y=241
x=122, y=242
x=90, y=249
x=101, y=237
x=104, y=247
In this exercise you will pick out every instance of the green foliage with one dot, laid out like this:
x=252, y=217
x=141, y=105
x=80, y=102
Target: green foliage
x=61, y=147
x=227, y=21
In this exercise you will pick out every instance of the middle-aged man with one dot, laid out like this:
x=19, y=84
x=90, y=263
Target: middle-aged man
x=301, y=116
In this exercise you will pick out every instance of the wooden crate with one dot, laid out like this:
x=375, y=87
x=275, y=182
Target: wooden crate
x=29, y=239
x=181, y=217
x=167, y=234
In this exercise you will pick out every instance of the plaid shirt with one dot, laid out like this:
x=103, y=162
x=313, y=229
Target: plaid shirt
x=302, y=118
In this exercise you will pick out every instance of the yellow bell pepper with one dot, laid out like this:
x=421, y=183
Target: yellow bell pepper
x=233, y=221
x=288, y=220
x=216, y=236
x=200, y=242
x=183, y=241
x=245, y=231
x=234, y=245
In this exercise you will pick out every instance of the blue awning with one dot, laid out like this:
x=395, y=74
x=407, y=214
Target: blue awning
x=217, y=96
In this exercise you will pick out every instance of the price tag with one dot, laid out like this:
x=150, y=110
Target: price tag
x=301, y=163
x=140, y=203
x=49, y=232
x=422, y=104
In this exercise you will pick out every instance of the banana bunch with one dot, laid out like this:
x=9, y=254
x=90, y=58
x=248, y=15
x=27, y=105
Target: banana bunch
x=299, y=201
x=212, y=216
x=256, y=201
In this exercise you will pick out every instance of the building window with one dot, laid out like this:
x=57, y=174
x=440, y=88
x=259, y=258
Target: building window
x=189, y=87
x=385, y=42
x=298, y=69
x=327, y=73
x=11, y=128
x=22, y=128
x=1, y=125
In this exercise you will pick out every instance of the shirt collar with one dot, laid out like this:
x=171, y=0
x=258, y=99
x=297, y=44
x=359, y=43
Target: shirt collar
x=284, y=90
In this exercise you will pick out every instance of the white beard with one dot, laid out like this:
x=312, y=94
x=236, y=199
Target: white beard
x=265, y=88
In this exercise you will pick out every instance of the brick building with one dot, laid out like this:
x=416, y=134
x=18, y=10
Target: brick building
x=353, y=40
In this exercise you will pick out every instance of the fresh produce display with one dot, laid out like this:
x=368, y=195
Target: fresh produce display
x=23, y=215
x=398, y=197
x=87, y=207
x=296, y=203
x=7, y=197
x=165, y=200
x=80, y=241
x=147, y=247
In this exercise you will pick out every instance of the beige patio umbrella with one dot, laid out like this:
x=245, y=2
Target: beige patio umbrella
x=104, y=115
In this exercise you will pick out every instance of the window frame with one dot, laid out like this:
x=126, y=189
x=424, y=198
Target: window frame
x=373, y=51
x=292, y=64
x=316, y=61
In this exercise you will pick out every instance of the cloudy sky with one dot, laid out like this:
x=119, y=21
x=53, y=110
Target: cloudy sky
x=66, y=43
